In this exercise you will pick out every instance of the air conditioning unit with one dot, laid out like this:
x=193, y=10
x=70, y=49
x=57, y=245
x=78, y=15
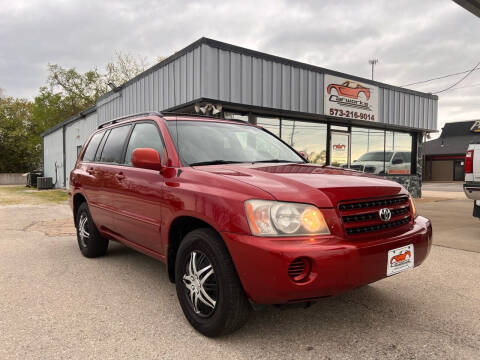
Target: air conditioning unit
x=44, y=183
x=32, y=178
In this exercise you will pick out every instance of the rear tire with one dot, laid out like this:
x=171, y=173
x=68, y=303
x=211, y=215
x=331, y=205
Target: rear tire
x=90, y=242
x=217, y=285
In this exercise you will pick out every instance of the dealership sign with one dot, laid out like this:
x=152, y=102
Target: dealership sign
x=350, y=99
x=475, y=127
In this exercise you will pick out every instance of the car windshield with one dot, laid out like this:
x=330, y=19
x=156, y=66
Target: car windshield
x=208, y=142
x=376, y=156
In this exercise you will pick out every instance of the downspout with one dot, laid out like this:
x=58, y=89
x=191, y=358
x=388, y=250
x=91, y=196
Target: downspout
x=43, y=155
x=64, y=159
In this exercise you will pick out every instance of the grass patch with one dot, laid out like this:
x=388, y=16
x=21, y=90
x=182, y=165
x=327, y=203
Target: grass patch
x=12, y=195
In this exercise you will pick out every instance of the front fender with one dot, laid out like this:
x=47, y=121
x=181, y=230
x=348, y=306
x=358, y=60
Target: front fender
x=213, y=199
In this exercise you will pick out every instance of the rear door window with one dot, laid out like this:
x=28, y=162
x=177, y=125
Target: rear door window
x=114, y=146
x=144, y=135
x=92, y=146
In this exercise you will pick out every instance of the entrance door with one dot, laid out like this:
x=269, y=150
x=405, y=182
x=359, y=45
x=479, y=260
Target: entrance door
x=458, y=168
x=340, y=149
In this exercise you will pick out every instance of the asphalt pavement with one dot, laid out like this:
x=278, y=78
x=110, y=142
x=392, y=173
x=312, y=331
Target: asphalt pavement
x=56, y=304
x=456, y=186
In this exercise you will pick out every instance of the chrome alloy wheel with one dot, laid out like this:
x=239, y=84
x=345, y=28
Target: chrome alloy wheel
x=83, y=230
x=201, y=284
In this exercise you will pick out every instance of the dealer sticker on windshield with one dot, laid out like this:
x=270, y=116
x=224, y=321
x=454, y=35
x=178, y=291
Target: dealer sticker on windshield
x=400, y=259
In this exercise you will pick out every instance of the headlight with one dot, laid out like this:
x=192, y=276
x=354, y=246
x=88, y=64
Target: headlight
x=414, y=209
x=275, y=218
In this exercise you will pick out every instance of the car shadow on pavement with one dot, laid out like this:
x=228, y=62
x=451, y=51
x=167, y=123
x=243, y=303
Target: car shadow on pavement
x=360, y=308
x=369, y=308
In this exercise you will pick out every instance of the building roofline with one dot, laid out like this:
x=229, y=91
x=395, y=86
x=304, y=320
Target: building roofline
x=295, y=115
x=258, y=54
x=71, y=119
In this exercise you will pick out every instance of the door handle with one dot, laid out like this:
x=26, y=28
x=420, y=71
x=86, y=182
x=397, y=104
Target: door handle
x=120, y=176
x=91, y=171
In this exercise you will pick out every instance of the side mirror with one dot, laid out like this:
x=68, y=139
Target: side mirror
x=397, y=161
x=147, y=158
x=303, y=154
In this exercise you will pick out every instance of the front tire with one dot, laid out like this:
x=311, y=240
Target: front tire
x=90, y=242
x=208, y=287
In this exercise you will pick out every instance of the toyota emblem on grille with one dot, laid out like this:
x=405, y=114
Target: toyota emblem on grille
x=385, y=214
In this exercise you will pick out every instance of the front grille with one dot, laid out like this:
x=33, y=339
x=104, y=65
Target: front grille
x=384, y=226
x=373, y=215
x=357, y=167
x=374, y=203
x=362, y=216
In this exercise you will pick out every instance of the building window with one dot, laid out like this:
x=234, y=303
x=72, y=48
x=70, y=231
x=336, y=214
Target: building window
x=381, y=152
x=400, y=144
x=235, y=116
x=309, y=138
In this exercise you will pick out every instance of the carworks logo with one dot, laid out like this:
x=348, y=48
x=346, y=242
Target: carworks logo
x=350, y=94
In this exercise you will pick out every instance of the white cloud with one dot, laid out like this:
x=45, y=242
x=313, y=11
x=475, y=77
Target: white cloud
x=414, y=40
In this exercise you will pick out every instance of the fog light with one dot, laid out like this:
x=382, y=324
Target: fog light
x=299, y=269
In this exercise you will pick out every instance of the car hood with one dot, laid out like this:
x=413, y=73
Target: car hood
x=323, y=186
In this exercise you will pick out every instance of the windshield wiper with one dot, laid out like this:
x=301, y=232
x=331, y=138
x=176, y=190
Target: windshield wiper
x=215, y=162
x=277, y=161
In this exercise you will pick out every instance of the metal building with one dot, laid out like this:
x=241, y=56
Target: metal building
x=445, y=156
x=337, y=119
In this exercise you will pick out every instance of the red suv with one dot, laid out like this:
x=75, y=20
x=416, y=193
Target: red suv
x=238, y=217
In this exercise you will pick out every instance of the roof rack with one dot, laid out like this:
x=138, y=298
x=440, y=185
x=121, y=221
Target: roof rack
x=114, y=121
x=180, y=113
x=173, y=113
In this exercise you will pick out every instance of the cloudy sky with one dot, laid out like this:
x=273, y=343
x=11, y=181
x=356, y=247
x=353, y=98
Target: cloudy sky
x=413, y=40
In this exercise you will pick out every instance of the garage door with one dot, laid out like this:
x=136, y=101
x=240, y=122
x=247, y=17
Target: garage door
x=442, y=170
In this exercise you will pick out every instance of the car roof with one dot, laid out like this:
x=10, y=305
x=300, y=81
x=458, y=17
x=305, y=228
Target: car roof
x=171, y=117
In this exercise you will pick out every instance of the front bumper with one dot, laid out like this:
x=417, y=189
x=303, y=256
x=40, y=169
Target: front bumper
x=337, y=264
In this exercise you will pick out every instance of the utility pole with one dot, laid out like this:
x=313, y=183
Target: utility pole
x=373, y=62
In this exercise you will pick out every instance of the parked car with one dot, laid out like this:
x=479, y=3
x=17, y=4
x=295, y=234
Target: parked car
x=349, y=89
x=396, y=162
x=472, y=177
x=238, y=216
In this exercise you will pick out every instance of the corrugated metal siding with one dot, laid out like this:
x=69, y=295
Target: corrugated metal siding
x=76, y=134
x=53, y=154
x=244, y=79
x=407, y=110
x=229, y=76
x=174, y=84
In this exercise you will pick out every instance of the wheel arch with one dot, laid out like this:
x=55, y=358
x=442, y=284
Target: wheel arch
x=180, y=227
x=78, y=199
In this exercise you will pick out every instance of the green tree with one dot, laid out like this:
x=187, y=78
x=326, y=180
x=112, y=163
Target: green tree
x=123, y=67
x=67, y=92
x=19, y=145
